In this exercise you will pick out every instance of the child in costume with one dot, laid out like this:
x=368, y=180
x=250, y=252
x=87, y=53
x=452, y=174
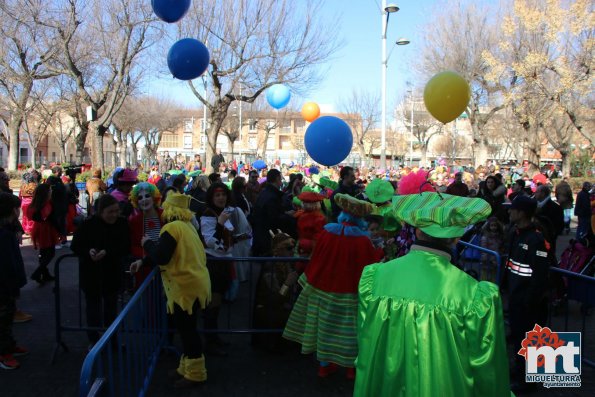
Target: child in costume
x=425, y=327
x=275, y=290
x=310, y=221
x=323, y=318
x=492, y=238
x=182, y=260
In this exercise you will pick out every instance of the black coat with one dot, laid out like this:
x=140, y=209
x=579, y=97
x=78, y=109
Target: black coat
x=268, y=214
x=106, y=274
x=555, y=214
x=582, y=207
x=12, y=268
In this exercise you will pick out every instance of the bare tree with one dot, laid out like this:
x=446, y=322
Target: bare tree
x=156, y=116
x=455, y=38
x=231, y=129
x=105, y=69
x=255, y=44
x=425, y=127
x=543, y=65
x=363, y=109
x=24, y=51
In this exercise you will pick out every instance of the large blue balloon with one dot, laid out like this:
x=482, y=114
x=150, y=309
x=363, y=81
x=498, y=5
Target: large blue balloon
x=328, y=140
x=187, y=59
x=278, y=96
x=170, y=10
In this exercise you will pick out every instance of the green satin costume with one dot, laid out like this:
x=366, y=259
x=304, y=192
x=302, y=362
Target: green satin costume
x=427, y=329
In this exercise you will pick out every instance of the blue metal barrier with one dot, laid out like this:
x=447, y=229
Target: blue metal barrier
x=122, y=362
x=60, y=326
x=489, y=252
x=580, y=288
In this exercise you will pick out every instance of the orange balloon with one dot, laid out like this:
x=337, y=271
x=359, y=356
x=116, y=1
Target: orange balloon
x=310, y=111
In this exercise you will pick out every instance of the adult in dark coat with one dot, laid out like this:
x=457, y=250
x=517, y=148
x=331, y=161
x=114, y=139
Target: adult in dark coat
x=563, y=193
x=551, y=212
x=582, y=210
x=102, y=243
x=269, y=214
x=458, y=187
x=348, y=186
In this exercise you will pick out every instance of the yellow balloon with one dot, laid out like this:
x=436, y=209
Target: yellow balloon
x=446, y=96
x=310, y=111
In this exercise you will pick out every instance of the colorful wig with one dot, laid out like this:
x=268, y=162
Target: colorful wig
x=415, y=183
x=147, y=187
x=175, y=208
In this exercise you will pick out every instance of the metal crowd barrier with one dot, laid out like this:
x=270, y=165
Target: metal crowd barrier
x=234, y=324
x=478, y=266
x=579, y=288
x=69, y=326
x=122, y=362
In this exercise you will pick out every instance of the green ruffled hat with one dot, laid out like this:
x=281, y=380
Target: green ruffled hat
x=380, y=191
x=325, y=181
x=440, y=216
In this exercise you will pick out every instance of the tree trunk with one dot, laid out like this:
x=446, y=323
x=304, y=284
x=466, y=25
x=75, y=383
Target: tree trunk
x=13, y=137
x=424, y=156
x=362, y=153
x=480, y=150
x=79, y=143
x=134, y=152
x=33, y=157
x=123, y=157
x=63, y=152
x=532, y=150
x=566, y=163
x=212, y=134
x=98, y=131
x=263, y=155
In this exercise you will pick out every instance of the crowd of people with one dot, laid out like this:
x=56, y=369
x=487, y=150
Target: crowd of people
x=375, y=295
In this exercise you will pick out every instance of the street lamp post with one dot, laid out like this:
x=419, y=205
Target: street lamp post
x=386, y=11
x=411, y=132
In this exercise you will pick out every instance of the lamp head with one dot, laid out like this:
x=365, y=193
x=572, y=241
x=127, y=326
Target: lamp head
x=402, y=41
x=392, y=7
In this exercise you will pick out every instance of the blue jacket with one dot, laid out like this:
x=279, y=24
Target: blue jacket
x=12, y=267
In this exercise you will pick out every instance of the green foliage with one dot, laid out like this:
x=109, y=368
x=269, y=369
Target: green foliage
x=582, y=164
x=83, y=176
x=142, y=176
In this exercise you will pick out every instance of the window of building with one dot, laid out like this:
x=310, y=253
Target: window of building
x=271, y=143
x=71, y=158
x=299, y=125
x=284, y=143
x=286, y=126
x=187, y=141
x=252, y=125
x=24, y=154
x=271, y=124
x=169, y=140
x=53, y=156
x=188, y=125
x=252, y=143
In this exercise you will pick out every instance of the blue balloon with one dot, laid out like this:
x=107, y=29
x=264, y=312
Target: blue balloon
x=259, y=165
x=328, y=140
x=278, y=96
x=170, y=10
x=187, y=59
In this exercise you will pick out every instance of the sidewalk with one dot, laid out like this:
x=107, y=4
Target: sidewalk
x=246, y=372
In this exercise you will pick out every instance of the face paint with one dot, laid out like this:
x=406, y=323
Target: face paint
x=145, y=200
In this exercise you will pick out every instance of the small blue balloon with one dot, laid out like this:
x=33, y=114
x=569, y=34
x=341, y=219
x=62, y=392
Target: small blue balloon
x=278, y=96
x=259, y=165
x=170, y=10
x=187, y=59
x=328, y=140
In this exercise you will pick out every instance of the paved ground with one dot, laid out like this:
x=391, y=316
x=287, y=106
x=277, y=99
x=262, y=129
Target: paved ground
x=245, y=372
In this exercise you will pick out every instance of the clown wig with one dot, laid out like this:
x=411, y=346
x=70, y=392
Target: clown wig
x=175, y=208
x=147, y=187
x=415, y=183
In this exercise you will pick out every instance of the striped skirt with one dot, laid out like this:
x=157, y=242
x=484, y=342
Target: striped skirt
x=324, y=323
